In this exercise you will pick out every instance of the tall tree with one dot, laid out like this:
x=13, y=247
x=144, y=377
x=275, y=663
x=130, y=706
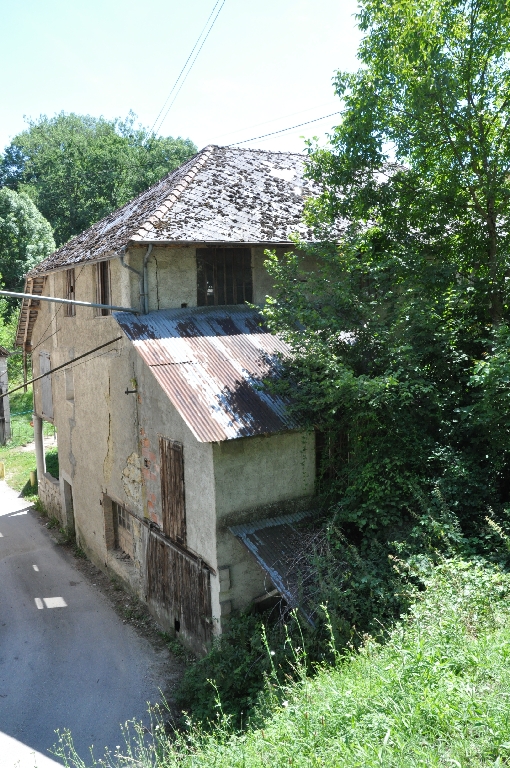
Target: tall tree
x=25, y=238
x=78, y=168
x=433, y=93
x=400, y=341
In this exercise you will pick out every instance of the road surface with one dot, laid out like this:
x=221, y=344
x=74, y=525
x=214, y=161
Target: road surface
x=66, y=659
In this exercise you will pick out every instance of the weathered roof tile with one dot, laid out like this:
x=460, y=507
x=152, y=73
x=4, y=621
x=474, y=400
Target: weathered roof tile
x=221, y=195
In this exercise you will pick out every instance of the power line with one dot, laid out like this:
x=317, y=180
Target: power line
x=283, y=130
x=184, y=67
x=274, y=120
x=54, y=316
x=64, y=365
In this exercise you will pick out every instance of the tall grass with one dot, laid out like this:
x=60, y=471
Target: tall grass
x=435, y=693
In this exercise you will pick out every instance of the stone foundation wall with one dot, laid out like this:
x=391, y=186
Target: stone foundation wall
x=49, y=494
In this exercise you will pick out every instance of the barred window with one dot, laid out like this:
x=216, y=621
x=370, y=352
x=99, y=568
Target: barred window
x=224, y=276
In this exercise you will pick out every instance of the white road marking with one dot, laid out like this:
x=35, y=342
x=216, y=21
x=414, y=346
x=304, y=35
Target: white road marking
x=35, y=567
x=17, y=514
x=1, y=535
x=39, y=602
x=54, y=602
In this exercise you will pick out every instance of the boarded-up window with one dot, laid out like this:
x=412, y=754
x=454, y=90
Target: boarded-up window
x=224, y=276
x=103, y=292
x=178, y=585
x=70, y=309
x=172, y=490
x=46, y=393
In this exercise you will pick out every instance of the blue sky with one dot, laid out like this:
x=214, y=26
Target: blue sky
x=266, y=65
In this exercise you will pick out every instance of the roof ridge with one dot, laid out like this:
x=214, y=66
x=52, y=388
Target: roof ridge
x=154, y=219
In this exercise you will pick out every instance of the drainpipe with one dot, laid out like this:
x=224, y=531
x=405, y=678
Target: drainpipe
x=39, y=446
x=146, y=279
x=141, y=288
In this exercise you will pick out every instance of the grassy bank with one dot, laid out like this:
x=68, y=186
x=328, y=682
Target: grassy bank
x=18, y=462
x=435, y=694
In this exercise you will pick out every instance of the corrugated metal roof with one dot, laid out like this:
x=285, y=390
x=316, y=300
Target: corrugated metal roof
x=210, y=362
x=276, y=544
x=221, y=195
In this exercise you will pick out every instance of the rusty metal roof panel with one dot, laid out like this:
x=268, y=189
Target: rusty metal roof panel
x=276, y=544
x=211, y=362
x=222, y=195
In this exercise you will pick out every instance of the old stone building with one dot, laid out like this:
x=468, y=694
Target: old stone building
x=179, y=470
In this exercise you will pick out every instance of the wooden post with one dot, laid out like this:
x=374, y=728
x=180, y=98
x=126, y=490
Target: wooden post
x=25, y=377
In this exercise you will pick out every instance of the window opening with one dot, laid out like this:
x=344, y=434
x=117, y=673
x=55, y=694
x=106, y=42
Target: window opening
x=103, y=286
x=172, y=490
x=123, y=529
x=70, y=292
x=224, y=276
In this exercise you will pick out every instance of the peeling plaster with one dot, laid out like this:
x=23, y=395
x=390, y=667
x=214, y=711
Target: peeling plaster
x=132, y=479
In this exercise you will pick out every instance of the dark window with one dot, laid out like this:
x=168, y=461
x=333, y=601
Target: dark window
x=103, y=286
x=70, y=309
x=172, y=490
x=123, y=529
x=223, y=276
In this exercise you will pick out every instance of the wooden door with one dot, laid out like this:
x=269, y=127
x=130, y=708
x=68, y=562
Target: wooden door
x=173, y=505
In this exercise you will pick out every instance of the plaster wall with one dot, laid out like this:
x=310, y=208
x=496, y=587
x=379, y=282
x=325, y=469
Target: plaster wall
x=48, y=489
x=108, y=441
x=257, y=477
x=173, y=277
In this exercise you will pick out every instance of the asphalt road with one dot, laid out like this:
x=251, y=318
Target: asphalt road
x=66, y=658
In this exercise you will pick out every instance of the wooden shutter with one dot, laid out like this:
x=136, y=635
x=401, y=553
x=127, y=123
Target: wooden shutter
x=172, y=490
x=103, y=286
x=46, y=393
x=70, y=309
x=179, y=587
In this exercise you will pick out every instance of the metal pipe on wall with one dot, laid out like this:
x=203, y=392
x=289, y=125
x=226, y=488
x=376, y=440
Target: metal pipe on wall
x=57, y=300
x=146, y=278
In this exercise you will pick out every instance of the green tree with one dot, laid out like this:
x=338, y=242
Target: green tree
x=25, y=237
x=77, y=168
x=406, y=320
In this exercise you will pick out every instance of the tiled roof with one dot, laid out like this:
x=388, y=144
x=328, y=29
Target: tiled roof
x=210, y=362
x=221, y=195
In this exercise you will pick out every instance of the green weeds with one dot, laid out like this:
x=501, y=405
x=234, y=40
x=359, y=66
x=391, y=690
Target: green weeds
x=434, y=694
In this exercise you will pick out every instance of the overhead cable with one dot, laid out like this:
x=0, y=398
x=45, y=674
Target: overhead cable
x=283, y=130
x=273, y=120
x=59, y=367
x=155, y=130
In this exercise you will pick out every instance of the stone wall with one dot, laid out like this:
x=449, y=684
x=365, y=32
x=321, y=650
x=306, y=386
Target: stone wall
x=49, y=494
